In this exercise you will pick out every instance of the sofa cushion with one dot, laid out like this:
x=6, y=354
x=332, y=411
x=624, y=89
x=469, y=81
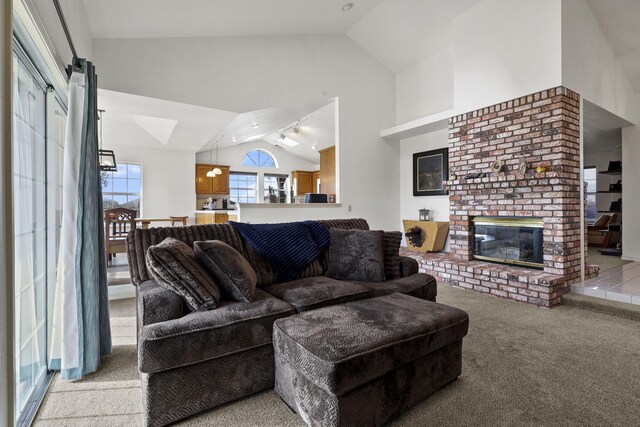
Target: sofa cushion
x=231, y=271
x=341, y=347
x=173, y=265
x=198, y=336
x=315, y=292
x=356, y=255
x=418, y=285
x=391, y=250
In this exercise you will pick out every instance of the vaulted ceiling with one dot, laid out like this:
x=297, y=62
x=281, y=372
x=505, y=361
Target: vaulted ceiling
x=399, y=33
x=213, y=18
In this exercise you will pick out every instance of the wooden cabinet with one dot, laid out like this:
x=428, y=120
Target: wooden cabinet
x=207, y=185
x=315, y=181
x=328, y=171
x=302, y=182
x=214, y=218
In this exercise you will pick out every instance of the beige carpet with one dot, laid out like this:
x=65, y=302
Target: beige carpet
x=523, y=366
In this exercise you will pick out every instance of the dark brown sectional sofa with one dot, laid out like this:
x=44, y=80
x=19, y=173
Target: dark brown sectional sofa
x=193, y=361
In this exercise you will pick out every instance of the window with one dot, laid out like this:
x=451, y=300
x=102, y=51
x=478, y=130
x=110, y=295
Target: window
x=122, y=188
x=590, y=177
x=259, y=159
x=30, y=231
x=276, y=188
x=242, y=187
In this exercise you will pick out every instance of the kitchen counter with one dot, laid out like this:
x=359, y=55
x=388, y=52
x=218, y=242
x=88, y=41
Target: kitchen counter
x=230, y=211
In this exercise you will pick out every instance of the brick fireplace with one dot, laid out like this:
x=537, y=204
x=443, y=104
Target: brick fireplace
x=534, y=130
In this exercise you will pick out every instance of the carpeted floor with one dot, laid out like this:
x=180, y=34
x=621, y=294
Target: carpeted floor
x=523, y=366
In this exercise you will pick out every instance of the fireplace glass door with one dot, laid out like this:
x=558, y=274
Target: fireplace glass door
x=509, y=240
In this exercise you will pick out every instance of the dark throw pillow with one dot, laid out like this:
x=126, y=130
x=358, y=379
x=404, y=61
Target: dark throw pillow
x=233, y=274
x=391, y=250
x=356, y=255
x=173, y=264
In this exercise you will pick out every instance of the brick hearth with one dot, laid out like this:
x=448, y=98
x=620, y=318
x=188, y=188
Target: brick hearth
x=543, y=129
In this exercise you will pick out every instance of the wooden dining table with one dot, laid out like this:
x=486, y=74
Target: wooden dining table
x=146, y=222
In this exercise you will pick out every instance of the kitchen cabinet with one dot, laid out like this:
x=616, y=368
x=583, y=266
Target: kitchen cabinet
x=315, y=181
x=214, y=217
x=215, y=185
x=328, y=171
x=302, y=182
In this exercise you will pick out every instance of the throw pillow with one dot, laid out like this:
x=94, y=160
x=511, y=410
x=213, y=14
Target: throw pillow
x=173, y=264
x=356, y=255
x=391, y=250
x=233, y=273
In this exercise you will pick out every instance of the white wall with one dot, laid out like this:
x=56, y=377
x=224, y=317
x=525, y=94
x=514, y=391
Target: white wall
x=168, y=180
x=504, y=49
x=589, y=65
x=630, y=180
x=250, y=73
x=409, y=204
x=425, y=88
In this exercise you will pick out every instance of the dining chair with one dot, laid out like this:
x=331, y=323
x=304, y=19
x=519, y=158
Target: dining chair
x=117, y=224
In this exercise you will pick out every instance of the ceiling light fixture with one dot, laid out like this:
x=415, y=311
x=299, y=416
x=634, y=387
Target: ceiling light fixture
x=347, y=7
x=106, y=158
x=234, y=139
x=215, y=171
x=255, y=125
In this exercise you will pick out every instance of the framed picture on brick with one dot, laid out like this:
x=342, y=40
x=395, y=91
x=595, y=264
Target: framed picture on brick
x=430, y=170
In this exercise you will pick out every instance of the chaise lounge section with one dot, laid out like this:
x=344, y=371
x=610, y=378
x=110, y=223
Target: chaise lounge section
x=193, y=361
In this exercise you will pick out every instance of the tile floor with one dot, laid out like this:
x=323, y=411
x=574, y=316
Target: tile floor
x=621, y=283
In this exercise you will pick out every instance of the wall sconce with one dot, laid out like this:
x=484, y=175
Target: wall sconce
x=424, y=215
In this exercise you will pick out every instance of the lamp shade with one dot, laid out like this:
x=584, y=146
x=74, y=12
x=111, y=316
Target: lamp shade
x=212, y=173
x=217, y=171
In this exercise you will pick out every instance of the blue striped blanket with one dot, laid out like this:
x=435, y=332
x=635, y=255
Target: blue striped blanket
x=290, y=247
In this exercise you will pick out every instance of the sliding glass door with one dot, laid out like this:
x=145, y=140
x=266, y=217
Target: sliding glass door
x=30, y=234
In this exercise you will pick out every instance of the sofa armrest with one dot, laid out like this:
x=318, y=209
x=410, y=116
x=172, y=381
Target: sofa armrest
x=408, y=266
x=156, y=304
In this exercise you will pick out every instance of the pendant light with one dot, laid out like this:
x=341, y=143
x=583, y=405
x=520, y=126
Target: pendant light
x=212, y=172
x=106, y=158
x=215, y=171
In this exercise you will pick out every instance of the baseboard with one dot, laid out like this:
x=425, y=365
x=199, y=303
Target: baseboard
x=121, y=292
x=630, y=258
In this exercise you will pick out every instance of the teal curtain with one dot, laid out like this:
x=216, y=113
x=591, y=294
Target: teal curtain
x=81, y=329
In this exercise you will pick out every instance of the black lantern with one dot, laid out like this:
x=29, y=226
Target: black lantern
x=425, y=215
x=107, y=160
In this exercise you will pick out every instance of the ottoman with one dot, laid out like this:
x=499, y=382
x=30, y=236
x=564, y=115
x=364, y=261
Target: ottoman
x=363, y=362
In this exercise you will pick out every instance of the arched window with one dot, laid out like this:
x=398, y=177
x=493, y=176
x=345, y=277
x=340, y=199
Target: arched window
x=259, y=159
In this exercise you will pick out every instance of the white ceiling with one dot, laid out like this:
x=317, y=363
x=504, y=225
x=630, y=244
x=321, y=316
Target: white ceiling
x=620, y=23
x=211, y=18
x=401, y=33
x=317, y=129
x=142, y=122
